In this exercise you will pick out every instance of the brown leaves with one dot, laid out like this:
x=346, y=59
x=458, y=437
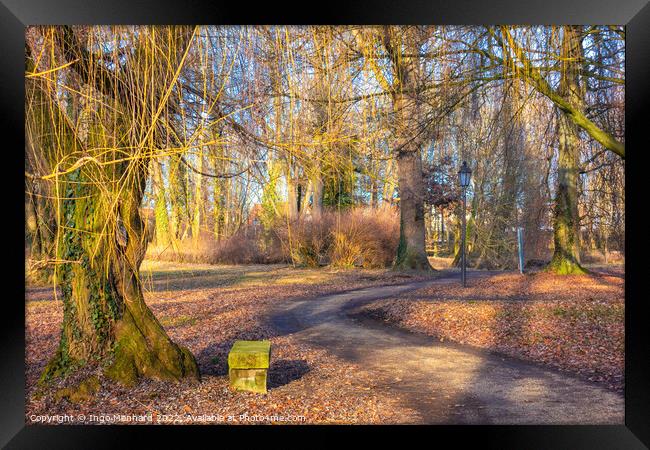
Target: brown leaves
x=207, y=309
x=574, y=323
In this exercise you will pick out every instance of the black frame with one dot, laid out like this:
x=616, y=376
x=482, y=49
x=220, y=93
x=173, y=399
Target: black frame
x=16, y=14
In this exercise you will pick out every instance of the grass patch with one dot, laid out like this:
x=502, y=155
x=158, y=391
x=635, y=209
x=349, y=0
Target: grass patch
x=179, y=321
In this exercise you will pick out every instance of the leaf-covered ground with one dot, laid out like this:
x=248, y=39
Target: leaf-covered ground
x=207, y=308
x=573, y=323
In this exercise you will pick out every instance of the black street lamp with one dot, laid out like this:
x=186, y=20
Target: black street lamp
x=464, y=175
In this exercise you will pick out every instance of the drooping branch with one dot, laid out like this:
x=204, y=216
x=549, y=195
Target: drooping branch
x=534, y=78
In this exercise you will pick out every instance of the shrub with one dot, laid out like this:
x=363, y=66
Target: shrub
x=247, y=246
x=361, y=237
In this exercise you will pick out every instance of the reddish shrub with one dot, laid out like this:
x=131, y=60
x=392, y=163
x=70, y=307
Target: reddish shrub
x=357, y=237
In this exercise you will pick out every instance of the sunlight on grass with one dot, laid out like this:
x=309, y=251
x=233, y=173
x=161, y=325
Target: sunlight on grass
x=178, y=321
x=161, y=275
x=305, y=278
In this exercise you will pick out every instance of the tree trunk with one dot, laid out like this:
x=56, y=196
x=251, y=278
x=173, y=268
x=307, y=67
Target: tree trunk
x=105, y=318
x=292, y=196
x=163, y=234
x=178, y=197
x=197, y=216
x=306, y=192
x=374, y=193
x=411, y=251
x=500, y=238
x=389, y=185
x=566, y=227
x=317, y=199
x=216, y=162
x=102, y=241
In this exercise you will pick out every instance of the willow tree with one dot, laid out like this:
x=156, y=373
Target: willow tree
x=163, y=234
x=569, y=99
x=99, y=182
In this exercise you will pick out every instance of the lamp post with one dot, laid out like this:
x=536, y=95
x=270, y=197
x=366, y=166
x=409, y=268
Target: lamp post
x=464, y=175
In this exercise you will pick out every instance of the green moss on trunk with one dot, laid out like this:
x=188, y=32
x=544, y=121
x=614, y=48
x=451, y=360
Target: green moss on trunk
x=566, y=222
x=83, y=392
x=143, y=349
x=105, y=318
x=409, y=257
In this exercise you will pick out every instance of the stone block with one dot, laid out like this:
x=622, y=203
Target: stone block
x=248, y=363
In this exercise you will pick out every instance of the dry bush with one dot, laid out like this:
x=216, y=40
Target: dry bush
x=306, y=241
x=251, y=245
x=247, y=246
x=363, y=237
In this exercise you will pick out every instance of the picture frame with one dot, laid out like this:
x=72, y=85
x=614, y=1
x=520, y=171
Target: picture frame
x=635, y=14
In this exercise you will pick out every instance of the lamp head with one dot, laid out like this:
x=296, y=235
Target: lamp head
x=464, y=175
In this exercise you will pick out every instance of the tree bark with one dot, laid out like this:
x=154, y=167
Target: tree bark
x=105, y=317
x=163, y=234
x=101, y=244
x=292, y=192
x=411, y=251
x=566, y=226
x=178, y=197
x=317, y=199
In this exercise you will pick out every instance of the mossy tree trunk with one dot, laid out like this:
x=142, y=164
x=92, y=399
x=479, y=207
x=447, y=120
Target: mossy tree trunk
x=163, y=233
x=105, y=318
x=411, y=251
x=100, y=244
x=178, y=190
x=566, y=221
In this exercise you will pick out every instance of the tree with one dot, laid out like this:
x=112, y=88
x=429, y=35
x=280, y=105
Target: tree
x=101, y=240
x=411, y=252
x=516, y=58
x=163, y=233
x=566, y=224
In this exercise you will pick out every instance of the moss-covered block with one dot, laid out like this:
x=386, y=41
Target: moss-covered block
x=251, y=380
x=249, y=355
x=248, y=363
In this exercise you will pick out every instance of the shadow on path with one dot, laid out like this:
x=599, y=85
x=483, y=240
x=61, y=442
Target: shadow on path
x=445, y=382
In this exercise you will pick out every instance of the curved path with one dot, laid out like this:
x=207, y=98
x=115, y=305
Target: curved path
x=445, y=382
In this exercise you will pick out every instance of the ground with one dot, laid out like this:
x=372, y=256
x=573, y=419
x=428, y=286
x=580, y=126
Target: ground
x=331, y=361
x=570, y=322
x=207, y=308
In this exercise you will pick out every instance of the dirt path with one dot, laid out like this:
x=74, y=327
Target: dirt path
x=445, y=383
